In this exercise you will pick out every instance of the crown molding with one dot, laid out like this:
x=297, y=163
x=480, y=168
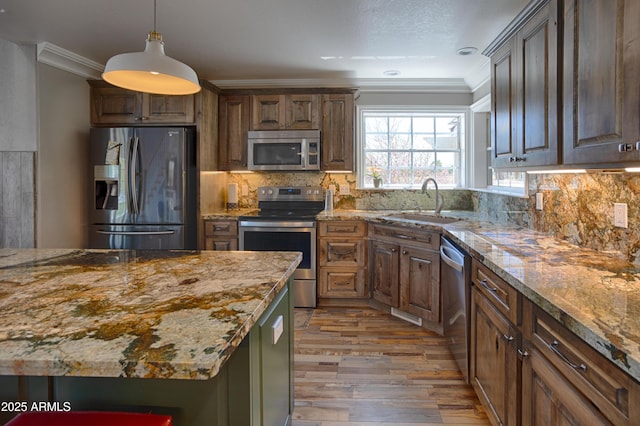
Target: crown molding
x=397, y=85
x=66, y=60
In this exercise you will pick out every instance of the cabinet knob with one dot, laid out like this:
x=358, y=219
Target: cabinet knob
x=393, y=250
x=404, y=252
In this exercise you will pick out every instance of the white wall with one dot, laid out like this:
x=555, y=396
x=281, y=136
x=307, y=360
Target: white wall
x=62, y=177
x=18, y=108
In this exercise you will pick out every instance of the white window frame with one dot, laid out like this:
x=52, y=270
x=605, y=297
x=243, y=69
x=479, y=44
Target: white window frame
x=464, y=143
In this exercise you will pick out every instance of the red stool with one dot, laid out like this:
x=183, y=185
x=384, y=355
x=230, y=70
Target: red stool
x=88, y=418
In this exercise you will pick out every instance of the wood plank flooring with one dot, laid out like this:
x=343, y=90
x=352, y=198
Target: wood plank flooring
x=361, y=367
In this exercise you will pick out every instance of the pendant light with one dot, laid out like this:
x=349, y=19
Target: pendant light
x=151, y=71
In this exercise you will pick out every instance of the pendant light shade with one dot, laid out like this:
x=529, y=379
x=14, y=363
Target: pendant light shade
x=151, y=71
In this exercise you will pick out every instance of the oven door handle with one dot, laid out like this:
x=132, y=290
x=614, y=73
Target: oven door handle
x=278, y=224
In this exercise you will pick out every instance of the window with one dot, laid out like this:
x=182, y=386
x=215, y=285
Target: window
x=405, y=147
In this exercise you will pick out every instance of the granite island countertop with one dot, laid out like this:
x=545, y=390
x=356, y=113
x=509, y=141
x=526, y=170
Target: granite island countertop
x=595, y=295
x=121, y=313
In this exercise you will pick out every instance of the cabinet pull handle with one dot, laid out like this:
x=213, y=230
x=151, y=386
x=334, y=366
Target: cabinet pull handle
x=405, y=237
x=554, y=347
x=485, y=285
x=508, y=338
x=523, y=354
x=220, y=228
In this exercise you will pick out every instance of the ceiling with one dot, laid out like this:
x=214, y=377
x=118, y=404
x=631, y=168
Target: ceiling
x=250, y=40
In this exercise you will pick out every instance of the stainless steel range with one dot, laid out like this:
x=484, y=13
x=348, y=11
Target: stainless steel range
x=286, y=222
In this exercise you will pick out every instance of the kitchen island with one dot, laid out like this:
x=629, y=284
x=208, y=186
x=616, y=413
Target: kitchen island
x=193, y=334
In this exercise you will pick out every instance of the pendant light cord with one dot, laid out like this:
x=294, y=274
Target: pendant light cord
x=154, y=15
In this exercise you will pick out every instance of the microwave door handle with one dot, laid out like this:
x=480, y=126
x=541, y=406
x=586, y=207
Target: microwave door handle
x=304, y=152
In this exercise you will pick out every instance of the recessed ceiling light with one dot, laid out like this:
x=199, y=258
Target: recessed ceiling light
x=391, y=73
x=464, y=51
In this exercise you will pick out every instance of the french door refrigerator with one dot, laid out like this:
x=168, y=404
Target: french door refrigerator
x=144, y=188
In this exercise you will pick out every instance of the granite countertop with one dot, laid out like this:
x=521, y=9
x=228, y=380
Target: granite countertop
x=595, y=295
x=112, y=313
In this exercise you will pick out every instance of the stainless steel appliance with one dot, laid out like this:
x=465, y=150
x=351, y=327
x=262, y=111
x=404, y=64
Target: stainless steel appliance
x=286, y=222
x=455, y=275
x=284, y=150
x=144, y=183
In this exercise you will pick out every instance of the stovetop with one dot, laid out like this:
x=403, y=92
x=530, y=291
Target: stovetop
x=288, y=203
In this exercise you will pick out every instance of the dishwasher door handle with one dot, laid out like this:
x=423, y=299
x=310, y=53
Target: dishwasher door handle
x=446, y=258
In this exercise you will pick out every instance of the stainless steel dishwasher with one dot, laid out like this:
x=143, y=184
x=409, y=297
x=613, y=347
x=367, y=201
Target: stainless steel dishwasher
x=455, y=275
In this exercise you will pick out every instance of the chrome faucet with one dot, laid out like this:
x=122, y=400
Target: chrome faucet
x=439, y=198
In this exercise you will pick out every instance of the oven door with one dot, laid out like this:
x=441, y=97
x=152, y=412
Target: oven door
x=282, y=236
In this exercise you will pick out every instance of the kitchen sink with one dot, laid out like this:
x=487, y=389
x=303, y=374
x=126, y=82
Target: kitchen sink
x=424, y=217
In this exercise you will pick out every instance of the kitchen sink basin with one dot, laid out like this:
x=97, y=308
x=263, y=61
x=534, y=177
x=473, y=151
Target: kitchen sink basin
x=424, y=217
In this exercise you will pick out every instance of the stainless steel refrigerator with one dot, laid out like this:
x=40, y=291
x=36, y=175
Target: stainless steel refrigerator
x=144, y=188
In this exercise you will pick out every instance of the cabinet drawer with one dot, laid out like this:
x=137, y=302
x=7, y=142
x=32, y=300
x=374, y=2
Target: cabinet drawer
x=343, y=283
x=221, y=228
x=343, y=228
x=604, y=384
x=405, y=235
x=506, y=298
x=343, y=252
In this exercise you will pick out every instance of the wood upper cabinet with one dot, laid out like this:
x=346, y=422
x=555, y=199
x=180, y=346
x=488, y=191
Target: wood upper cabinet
x=234, y=115
x=404, y=267
x=525, y=96
x=112, y=105
x=295, y=111
x=337, y=149
x=342, y=260
x=601, y=84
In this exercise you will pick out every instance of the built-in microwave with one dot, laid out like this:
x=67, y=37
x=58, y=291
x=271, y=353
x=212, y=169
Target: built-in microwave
x=284, y=150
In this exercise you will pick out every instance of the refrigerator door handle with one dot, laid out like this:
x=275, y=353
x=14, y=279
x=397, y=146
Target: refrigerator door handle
x=133, y=177
x=167, y=232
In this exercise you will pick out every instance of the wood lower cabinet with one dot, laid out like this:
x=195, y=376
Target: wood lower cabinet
x=404, y=265
x=493, y=369
x=341, y=261
x=565, y=381
x=221, y=235
x=529, y=369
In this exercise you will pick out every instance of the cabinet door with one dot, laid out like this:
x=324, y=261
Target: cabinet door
x=601, y=84
x=549, y=399
x=302, y=112
x=337, y=132
x=494, y=361
x=537, y=135
x=164, y=109
x=112, y=105
x=234, y=126
x=268, y=112
x=383, y=268
x=503, y=99
x=420, y=283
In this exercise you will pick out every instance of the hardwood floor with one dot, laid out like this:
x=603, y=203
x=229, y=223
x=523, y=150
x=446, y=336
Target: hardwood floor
x=362, y=367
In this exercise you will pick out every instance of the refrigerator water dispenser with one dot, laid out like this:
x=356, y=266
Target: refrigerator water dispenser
x=106, y=186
